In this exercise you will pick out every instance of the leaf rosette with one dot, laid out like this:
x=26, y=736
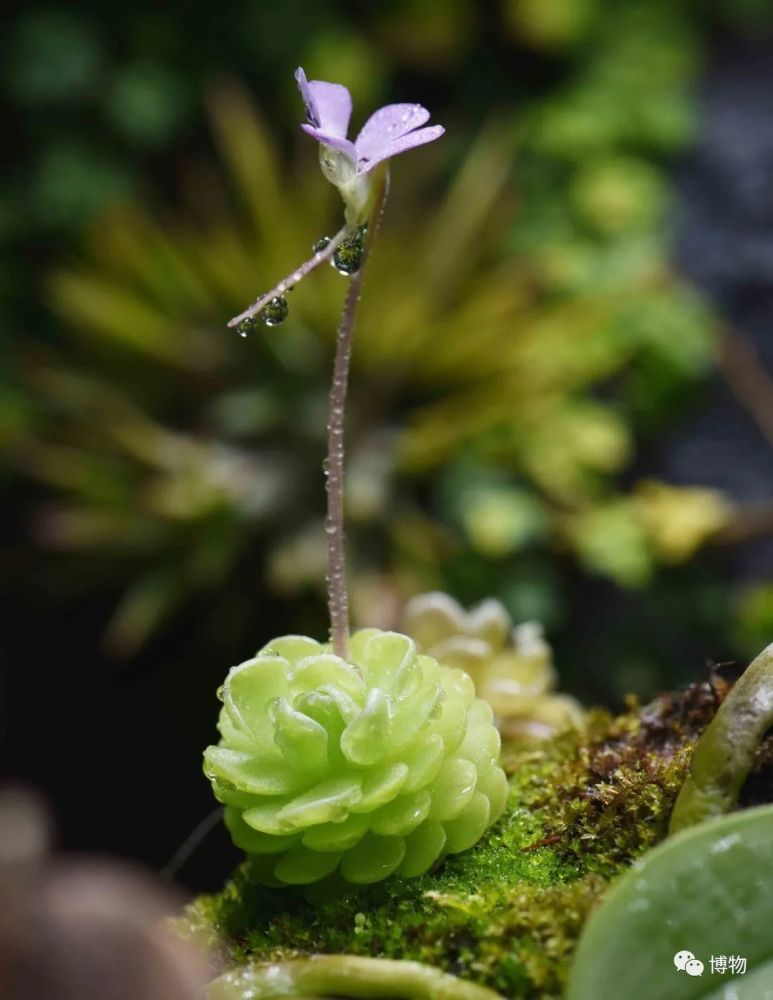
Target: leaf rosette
x=382, y=764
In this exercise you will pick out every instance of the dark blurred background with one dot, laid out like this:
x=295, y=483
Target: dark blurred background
x=563, y=384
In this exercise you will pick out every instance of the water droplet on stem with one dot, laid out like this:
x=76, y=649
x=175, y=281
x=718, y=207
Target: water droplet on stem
x=276, y=311
x=246, y=327
x=347, y=259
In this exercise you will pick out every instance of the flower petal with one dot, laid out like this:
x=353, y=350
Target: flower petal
x=327, y=139
x=387, y=124
x=328, y=105
x=418, y=138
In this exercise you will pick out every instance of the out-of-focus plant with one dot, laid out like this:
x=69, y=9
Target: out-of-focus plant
x=512, y=668
x=527, y=448
x=500, y=399
x=727, y=750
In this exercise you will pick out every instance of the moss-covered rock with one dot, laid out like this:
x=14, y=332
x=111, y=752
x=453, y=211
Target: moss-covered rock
x=508, y=912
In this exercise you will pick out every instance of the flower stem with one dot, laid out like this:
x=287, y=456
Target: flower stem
x=292, y=279
x=337, y=595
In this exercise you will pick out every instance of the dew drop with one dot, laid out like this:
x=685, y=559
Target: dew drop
x=347, y=259
x=276, y=311
x=246, y=327
x=321, y=244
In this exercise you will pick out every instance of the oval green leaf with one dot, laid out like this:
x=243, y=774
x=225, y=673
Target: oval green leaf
x=707, y=890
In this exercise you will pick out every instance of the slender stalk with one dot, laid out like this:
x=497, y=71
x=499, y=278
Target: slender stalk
x=337, y=595
x=191, y=843
x=292, y=279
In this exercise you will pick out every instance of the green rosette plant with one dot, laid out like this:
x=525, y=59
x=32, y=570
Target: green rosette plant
x=362, y=757
x=383, y=763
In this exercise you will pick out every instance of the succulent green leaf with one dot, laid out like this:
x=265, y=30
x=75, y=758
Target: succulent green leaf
x=265, y=817
x=337, y=836
x=482, y=744
x=470, y=825
x=256, y=775
x=302, y=866
x=329, y=708
x=493, y=783
x=401, y=816
x=705, y=890
x=314, y=672
x=373, y=859
x=232, y=732
x=327, y=802
x=381, y=785
x=452, y=724
x=461, y=686
x=422, y=849
x=253, y=841
x=302, y=741
x=453, y=788
x=425, y=705
x=292, y=647
x=384, y=656
x=423, y=761
x=251, y=687
x=368, y=737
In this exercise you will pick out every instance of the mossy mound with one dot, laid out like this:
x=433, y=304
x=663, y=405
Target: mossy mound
x=508, y=912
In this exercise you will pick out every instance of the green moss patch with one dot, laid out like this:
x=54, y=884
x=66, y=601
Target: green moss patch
x=508, y=912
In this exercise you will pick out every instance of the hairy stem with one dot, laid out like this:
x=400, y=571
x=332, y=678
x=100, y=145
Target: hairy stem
x=292, y=279
x=337, y=596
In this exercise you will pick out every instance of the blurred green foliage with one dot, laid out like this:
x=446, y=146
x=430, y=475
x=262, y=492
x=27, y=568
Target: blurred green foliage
x=523, y=336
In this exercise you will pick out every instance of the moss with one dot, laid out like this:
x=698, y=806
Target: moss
x=508, y=912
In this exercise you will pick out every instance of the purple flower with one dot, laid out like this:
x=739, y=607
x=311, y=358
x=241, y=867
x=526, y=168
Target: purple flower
x=389, y=131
